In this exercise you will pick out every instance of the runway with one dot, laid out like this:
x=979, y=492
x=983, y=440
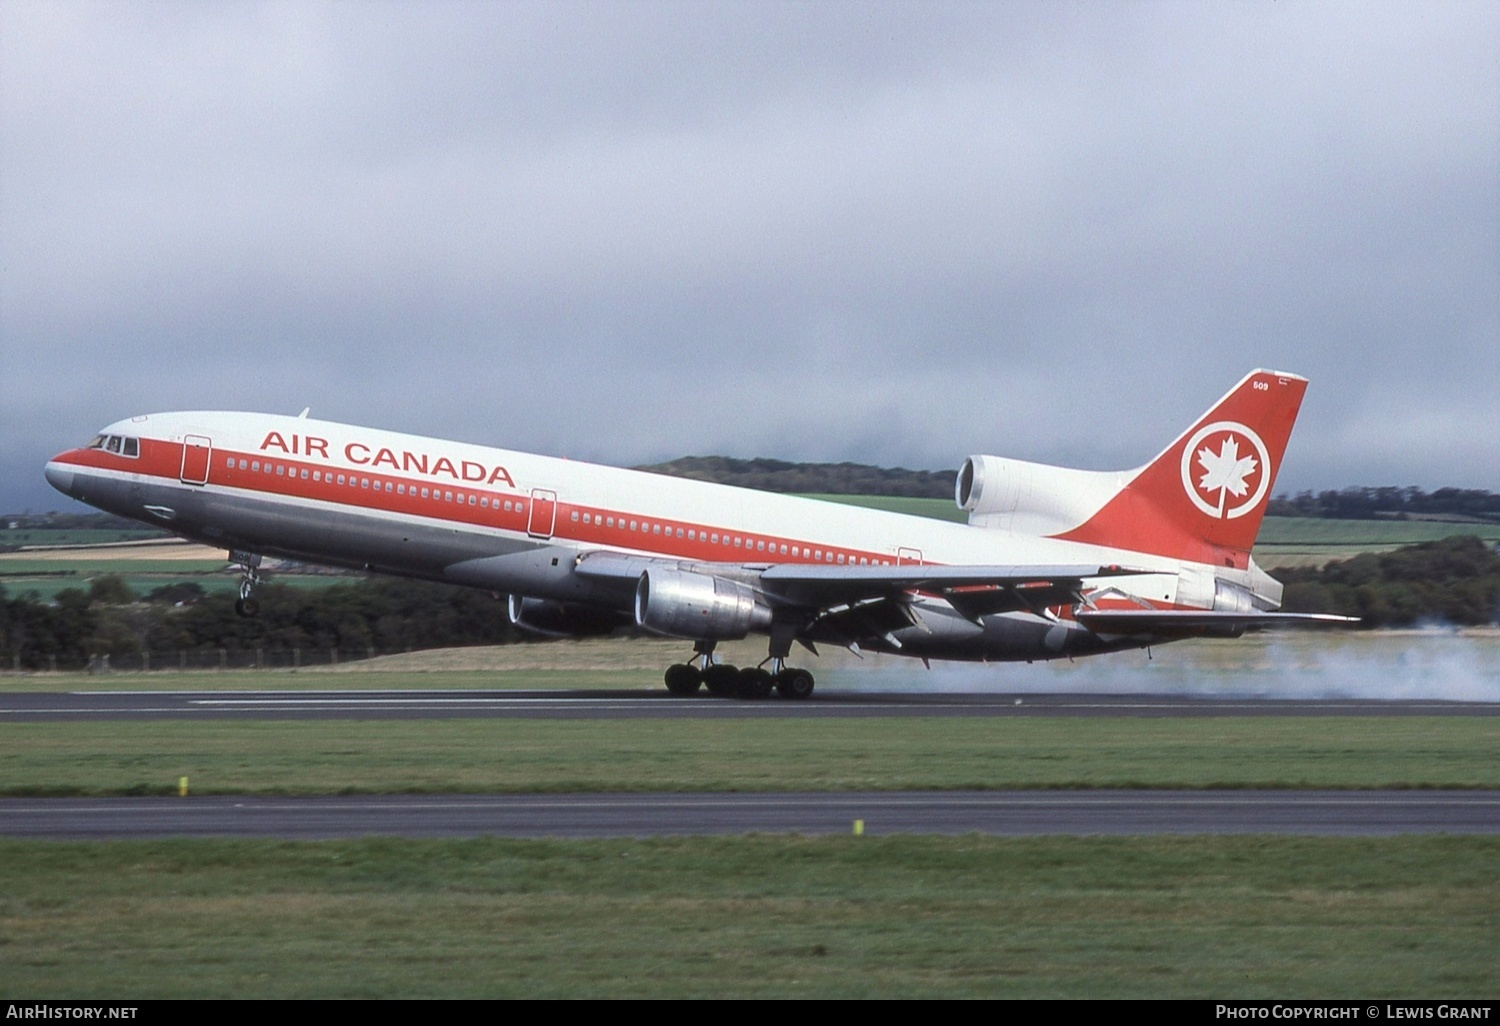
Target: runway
x=18, y=707
x=1003, y=813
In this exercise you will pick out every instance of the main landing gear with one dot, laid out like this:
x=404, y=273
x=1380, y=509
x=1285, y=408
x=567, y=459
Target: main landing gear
x=250, y=579
x=725, y=681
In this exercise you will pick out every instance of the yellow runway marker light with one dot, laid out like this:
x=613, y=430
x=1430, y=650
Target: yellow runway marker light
x=182, y=787
x=859, y=828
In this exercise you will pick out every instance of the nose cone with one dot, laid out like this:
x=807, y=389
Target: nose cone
x=60, y=476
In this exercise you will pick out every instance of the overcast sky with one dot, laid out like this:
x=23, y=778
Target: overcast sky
x=889, y=233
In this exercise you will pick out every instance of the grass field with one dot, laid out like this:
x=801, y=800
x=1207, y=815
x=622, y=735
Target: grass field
x=1308, y=531
x=1177, y=917
x=532, y=755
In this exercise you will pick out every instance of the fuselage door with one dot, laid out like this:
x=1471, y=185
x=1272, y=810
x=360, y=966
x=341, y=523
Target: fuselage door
x=196, y=452
x=543, y=513
x=908, y=557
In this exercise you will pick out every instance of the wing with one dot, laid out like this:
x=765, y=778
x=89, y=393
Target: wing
x=974, y=591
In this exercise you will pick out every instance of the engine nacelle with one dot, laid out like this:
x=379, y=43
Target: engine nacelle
x=1032, y=498
x=699, y=607
x=563, y=619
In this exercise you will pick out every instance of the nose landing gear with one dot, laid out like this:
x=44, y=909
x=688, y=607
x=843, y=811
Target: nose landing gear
x=250, y=579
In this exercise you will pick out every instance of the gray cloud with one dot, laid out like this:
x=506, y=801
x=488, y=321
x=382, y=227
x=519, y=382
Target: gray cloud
x=894, y=233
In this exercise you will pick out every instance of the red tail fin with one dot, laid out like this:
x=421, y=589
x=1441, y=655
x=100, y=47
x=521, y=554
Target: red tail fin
x=1203, y=498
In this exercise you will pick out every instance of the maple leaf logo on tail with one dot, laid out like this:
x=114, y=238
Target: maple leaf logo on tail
x=1225, y=475
x=1225, y=472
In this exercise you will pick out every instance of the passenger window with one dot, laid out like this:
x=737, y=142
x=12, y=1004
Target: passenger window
x=317, y=475
x=424, y=493
x=255, y=466
x=280, y=470
x=679, y=532
x=341, y=479
x=229, y=463
x=609, y=521
x=304, y=473
x=507, y=505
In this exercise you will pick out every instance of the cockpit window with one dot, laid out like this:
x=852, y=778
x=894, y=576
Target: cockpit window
x=118, y=444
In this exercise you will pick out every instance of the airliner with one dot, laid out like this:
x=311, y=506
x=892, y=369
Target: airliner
x=1053, y=562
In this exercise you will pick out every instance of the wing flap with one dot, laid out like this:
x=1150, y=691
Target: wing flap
x=1195, y=622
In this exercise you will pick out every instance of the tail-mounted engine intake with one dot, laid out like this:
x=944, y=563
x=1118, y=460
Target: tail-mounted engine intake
x=700, y=607
x=1031, y=498
x=562, y=619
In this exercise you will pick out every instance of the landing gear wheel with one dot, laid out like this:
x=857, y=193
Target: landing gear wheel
x=246, y=606
x=754, y=684
x=720, y=680
x=683, y=679
x=794, y=684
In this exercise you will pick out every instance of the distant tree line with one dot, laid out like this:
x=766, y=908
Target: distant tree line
x=1456, y=581
x=811, y=478
x=74, y=521
x=1467, y=504
x=385, y=615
